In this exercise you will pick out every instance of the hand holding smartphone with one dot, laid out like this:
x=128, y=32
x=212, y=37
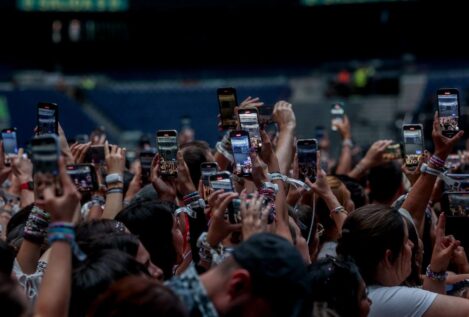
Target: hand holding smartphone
x=413, y=144
x=392, y=152
x=448, y=111
x=227, y=102
x=241, y=152
x=249, y=121
x=167, y=150
x=47, y=118
x=10, y=146
x=207, y=169
x=337, y=114
x=146, y=158
x=45, y=158
x=307, y=150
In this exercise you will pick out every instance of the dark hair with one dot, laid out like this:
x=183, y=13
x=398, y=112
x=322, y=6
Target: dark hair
x=336, y=282
x=93, y=276
x=152, y=221
x=384, y=182
x=16, y=226
x=86, y=230
x=121, y=241
x=357, y=192
x=414, y=279
x=195, y=153
x=137, y=296
x=11, y=304
x=7, y=256
x=366, y=235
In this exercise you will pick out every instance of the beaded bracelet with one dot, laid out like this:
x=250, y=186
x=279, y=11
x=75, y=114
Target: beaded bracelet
x=35, y=229
x=437, y=162
x=436, y=276
x=65, y=231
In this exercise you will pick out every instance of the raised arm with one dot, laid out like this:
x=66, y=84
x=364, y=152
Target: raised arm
x=115, y=161
x=345, y=160
x=418, y=198
x=373, y=157
x=284, y=116
x=54, y=294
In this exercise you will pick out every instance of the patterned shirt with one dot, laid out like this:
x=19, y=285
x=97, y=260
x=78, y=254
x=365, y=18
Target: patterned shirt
x=192, y=293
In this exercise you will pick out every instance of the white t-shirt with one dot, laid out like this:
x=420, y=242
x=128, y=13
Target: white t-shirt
x=399, y=301
x=328, y=248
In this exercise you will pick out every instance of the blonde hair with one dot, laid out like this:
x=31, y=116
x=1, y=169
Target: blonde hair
x=338, y=189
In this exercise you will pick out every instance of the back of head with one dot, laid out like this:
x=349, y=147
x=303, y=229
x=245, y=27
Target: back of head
x=12, y=300
x=385, y=181
x=86, y=230
x=16, y=226
x=357, y=192
x=195, y=153
x=336, y=282
x=152, y=221
x=137, y=296
x=366, y=235
x=125, y=242
x=93, y=276
x=7, y=256
x=277, y=271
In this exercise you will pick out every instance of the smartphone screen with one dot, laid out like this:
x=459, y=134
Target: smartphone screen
x=307, y=158
x=249, y=121
x=392, y=152
x=207, y=169
x=45, y=157
x=448, y=111
x=241, y=149
x=10, y=146
x=146, y=158
x=167, y=149
x=337, y=114
x=456, y=204
x=47, y=118
x=320, y=132
x=221, y=180
x=265, y=114
x=413, y=144
x=227, y=101
x=83, y=176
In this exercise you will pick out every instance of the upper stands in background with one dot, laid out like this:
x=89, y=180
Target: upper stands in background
x=22, y=108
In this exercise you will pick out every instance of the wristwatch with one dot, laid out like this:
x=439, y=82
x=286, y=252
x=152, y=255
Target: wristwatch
x=27, y=186
x=114, y=178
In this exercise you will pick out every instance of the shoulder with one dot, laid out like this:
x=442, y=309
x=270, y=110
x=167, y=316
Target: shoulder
x=399, y=301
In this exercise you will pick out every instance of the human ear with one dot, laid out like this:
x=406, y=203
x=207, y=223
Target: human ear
x=240, y=283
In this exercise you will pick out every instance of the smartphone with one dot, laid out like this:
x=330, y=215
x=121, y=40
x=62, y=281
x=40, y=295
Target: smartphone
x=167, y=150
x=223, y=180
x=265, y=115
x=47, y=118
x=448, y=111
x=84, y=177
x=146, y=158
x=96, y=155
x=455, y=203
x=307, y=150
x=227, y=101
x=413, y=144
x=453, y=161
x=393, y=152
x=10, y=146
x=249, y=121
x=45, y=157
x=207, y=169
x=337, y=114
x=241, y=151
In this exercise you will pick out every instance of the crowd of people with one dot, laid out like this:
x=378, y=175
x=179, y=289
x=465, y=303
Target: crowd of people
x=366, y=238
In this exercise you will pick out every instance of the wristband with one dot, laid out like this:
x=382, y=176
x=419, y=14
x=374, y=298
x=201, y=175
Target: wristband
x=347, y=142
x=64, y=231
x=114, y=178
x=35, y=229
x=338, y=210
x=115, y=191
x=27, y=186
x=428, y=170
x=436, y=276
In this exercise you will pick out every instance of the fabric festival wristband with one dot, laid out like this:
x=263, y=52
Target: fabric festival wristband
x=115, y=191
x=63, y=231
